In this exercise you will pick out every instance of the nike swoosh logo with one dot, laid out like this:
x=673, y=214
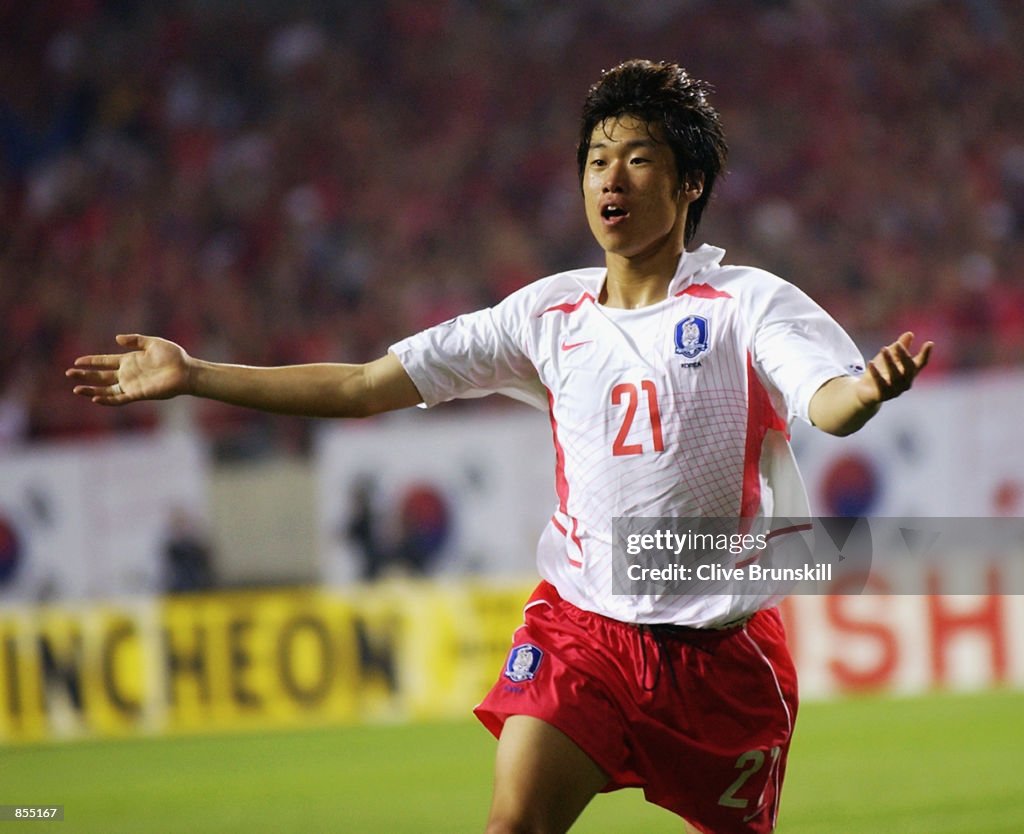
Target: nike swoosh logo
x=571, y=345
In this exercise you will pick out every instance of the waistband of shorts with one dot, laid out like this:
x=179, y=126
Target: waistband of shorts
x=670, y=629
x=545, y=592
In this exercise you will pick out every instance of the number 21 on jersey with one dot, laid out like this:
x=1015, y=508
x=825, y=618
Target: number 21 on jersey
x=629, y=395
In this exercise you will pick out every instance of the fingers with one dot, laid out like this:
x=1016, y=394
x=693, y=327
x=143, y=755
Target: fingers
x=95, y=384
x=90, y=376
x=894, y=368
x=111, y=361
x=912, y=364
x=921, y=359
x=97, y=379
x=133, y=341
x=99, y=370
x=111, y=394
x=97, y=374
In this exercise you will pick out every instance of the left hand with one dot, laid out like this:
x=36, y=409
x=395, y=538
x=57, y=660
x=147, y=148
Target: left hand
x=892, y=371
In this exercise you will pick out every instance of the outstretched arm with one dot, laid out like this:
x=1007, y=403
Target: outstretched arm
x=844, y=404
x=156, y=369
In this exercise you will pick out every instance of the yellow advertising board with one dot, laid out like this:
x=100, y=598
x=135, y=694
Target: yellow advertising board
x=254, y=660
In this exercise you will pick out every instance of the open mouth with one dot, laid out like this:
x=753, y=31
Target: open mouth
x=612, y=213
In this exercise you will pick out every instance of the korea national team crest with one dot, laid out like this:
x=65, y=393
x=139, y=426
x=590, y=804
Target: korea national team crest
x=692, y=336
x=523, y=662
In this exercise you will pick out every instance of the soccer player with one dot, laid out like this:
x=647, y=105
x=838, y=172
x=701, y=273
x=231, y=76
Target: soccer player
x=670, y=380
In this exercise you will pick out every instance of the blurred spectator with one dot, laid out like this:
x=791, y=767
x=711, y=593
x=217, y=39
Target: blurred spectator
x=14, y=407
x=363, y=530
x=422, y=527
x=188, y=557
x=267, y=185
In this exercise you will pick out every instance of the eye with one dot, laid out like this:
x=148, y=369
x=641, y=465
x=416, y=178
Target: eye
x=638, y=160
x=597, y=163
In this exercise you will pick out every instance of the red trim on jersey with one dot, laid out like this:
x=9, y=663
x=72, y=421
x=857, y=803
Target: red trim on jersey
x=568, y=307
x=562, y=485
x=785, y=531
x=703, y=291
x=575, y=536
x=576, y=563
x=761, y=416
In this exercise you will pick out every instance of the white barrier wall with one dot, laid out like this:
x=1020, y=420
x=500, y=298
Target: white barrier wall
x=464, y=492
x=90, y=520
x=947, y=449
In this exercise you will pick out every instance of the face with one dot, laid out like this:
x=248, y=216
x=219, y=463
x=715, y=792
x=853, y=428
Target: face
x=635, y=204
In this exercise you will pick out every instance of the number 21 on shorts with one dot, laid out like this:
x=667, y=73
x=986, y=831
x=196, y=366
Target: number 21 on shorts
x=629, y=395
x=749, y=764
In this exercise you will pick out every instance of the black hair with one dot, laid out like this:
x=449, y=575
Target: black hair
x=664, y=94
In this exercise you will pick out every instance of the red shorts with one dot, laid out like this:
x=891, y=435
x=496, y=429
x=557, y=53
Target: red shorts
x=701, y=719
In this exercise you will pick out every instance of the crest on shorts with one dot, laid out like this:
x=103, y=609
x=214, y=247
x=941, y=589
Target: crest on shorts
x=692, y=336
x=523, y=662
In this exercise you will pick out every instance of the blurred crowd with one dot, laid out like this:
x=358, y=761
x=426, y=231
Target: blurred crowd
x=271, y=182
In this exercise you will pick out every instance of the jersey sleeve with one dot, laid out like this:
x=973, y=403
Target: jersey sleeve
x=798, y=347
x=473, y=355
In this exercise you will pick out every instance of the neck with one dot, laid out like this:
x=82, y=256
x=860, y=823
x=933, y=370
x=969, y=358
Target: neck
x=638, y=282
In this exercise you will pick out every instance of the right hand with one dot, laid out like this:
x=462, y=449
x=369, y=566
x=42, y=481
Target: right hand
x=153, y=369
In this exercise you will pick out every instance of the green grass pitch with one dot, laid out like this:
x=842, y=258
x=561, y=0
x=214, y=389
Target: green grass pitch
x=940, y=764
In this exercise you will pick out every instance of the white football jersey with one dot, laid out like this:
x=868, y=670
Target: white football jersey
x=677, y=409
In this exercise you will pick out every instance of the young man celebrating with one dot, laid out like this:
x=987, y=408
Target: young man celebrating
x=670, y=380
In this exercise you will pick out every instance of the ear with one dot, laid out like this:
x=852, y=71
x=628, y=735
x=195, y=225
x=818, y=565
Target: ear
x=693, y=186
